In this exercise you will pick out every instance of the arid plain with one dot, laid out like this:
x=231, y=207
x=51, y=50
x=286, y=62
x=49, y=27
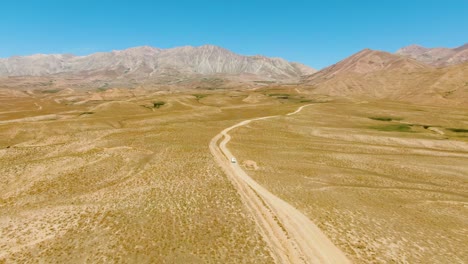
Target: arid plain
x=120, y=179
x=387, y=182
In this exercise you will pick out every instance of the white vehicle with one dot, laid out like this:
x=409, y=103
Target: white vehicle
x=233, y=160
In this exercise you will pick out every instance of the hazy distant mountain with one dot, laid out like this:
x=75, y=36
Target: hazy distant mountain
x=377, y=74
x=436, y=56
x=148, y=63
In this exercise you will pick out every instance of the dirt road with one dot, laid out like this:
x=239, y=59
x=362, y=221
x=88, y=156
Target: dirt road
x=292, y=237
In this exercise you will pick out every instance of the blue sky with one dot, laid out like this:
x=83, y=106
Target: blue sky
x=317, y=33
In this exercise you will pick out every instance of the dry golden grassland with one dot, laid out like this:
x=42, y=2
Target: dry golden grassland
x=118, y=181
x=387, y=182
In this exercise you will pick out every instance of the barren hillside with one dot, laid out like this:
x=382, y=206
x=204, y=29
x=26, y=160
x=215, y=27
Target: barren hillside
x=381, y=75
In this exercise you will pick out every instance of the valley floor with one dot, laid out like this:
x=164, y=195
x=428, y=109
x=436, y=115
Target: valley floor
x=115, y=181
x=386, y=182
x=119, y=179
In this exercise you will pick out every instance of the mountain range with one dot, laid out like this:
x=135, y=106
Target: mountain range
x=413, y=73
x=147, y=63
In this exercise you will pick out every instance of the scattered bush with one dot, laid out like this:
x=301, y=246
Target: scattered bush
x=200, y=96
x=458, y=130
x=384, y=118
x=158, y=104
x=397, y=128
x=86, y=113
x=279, y=94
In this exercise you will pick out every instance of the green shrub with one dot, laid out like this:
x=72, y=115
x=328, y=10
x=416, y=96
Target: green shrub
x=397, y=128
x=458, y=130
x=200, y=96
x=158, y=104
x=384, y=118
x=86, y=113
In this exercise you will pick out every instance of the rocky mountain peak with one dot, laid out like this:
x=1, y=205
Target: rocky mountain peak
x=436, y=56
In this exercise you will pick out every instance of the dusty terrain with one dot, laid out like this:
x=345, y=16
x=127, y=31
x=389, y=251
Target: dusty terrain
x=387, y=182
x=119, y=180
x=127, y=176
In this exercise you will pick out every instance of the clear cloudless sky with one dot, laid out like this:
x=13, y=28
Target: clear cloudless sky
x=317, y=33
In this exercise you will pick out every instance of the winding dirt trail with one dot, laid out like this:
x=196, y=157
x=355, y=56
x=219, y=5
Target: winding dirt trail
x=292, y=237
